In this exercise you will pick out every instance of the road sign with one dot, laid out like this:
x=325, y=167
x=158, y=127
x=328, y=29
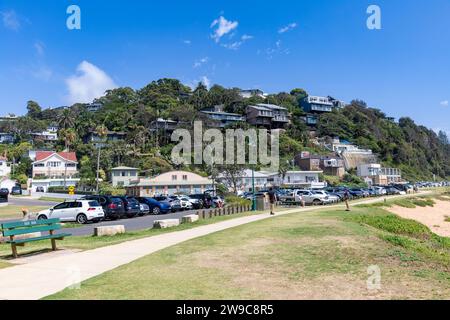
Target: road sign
x=71, y=190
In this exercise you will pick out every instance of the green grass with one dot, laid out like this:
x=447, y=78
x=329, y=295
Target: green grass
x=405, y=202
x=50, y=199
x=15, y=212
x=309, y=255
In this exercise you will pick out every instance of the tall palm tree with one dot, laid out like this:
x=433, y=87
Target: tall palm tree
x=66, y=119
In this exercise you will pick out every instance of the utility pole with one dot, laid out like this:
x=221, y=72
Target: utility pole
x=253, y=190
x=98, y=170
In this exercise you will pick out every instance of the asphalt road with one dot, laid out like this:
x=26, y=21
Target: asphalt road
x=18, y=201
x=133, y=224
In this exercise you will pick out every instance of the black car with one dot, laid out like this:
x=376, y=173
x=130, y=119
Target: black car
x=4, y=192
x=16, y=190
x=112, y=206
x=132, y=206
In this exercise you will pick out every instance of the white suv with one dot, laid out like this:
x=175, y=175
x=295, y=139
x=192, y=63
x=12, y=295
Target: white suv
x=81, y=211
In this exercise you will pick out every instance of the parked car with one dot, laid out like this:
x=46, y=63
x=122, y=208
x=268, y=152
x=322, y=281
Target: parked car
x=307, y=196
x=16, y=191
x=196, y=203
x=144, y=209
x=80, y=211
x=174, y=203
x=358, y=193
x=331, y=197
x=132, y=208
x=40, y=189
x=205, y=198
x=185, y=203
x=155, y=207
x=394, y=191
x=339, y=191
x=112, y=206
x=218, y=202
x=4, y=193
x=379, y=191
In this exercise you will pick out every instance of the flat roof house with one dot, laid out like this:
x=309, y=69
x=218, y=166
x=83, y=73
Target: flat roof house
x=268, y=115
x=123, y=176
x=6, y=137
x=378, y=174
x=50, y=134
x=220, y=118
x=5, y=167
x=170, y=183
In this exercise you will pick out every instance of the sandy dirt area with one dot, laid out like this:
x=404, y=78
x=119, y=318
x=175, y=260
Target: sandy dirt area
x=432, y=217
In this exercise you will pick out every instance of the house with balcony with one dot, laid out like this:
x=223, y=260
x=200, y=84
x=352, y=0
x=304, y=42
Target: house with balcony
x=298, y=179
x=99, y=141
x=221, y=119
x=331, y=165
x=375, y=174
x=50, y=164
x=50, y=134
x=316, y=104
x=268, y=115
x=164, y=125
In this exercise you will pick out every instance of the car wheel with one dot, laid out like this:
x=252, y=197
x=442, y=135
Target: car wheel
x=82, y=219
x=317, y=202
x=42, y=217
x=156, y=211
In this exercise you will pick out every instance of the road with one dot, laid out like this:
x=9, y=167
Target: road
x=27, y=202
x=134, y=224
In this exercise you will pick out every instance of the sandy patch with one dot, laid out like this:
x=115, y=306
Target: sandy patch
x=432, y=217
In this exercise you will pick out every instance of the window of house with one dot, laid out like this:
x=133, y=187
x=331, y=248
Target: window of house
x=174, y=178
x=123, y=174
x=38, y=165
x=185, y=177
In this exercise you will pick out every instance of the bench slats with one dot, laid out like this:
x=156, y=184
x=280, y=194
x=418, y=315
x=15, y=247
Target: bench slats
x=20, y=231
x=55, y=236
x=30, y=223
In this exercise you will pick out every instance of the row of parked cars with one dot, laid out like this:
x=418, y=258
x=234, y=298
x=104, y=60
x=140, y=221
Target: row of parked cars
x=95, y=208
x=331, y=194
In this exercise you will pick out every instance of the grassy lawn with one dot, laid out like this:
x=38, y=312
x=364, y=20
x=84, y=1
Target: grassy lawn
x=310, y=255
x=15, y=212
x=49, y=199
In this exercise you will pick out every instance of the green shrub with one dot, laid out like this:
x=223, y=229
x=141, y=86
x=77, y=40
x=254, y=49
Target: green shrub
x=235, y=200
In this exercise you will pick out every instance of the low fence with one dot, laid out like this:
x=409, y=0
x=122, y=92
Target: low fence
x=225, y=211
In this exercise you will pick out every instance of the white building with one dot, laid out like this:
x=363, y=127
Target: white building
x=294, y=179
x=123, y=176
x=54, y=165
x=51, y=134
x=170, y=183
x=379, y=175
x=5, y=167
x=6, y=137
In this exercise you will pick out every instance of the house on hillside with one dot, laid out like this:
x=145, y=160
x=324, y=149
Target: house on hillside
x=99, y=141
x=50, y=134
x=6, y=137
x=379, y=175
x=221, y=119
x=268, y=115
x=50, y=164
x=5, y=167
x=331, y=165
x=250, y=93
x=123, y=176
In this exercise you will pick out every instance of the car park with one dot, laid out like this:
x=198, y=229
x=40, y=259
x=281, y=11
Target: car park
x=112, y=206
x=331, y=197
x=174, y=203
x=155, y=206
x=205, y=198
x=80, y=211
x=185, y=203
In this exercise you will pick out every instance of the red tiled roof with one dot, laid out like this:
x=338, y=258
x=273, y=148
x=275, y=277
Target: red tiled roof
x=41, y=155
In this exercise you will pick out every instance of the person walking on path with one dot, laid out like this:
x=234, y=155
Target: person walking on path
x=272, y=200
x=346, y=199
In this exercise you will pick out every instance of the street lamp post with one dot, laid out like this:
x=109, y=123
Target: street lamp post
x=253, y=190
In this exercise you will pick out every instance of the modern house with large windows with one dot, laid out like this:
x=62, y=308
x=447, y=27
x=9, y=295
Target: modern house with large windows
x=123, y=176
x=170, y=183
x=221, y=119
x=379, y=175
x=268, y=115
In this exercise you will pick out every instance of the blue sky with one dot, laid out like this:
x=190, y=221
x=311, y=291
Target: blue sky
x=322, y=46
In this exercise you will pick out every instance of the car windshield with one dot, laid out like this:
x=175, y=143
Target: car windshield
x=94, y=204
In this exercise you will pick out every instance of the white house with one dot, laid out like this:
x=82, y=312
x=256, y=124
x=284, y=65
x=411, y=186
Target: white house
x=245, y=181
x=123, y=176
x=5, y=167
x=378, y=175
x=54, y=165
x=51, y=134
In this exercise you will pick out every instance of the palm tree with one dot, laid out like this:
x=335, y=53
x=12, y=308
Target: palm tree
x=69, y=136
x=66, y=119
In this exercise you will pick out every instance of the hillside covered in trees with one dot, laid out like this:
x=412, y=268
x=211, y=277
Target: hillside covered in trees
x=418, y=151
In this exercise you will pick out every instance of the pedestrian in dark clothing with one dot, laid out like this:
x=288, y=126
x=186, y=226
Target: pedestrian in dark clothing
x=272, y=200
x=346, y=199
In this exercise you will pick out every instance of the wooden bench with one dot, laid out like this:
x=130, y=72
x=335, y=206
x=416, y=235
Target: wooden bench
x=13, y=229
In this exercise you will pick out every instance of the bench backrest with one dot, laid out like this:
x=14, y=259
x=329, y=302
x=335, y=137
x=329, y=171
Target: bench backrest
x=25, y=227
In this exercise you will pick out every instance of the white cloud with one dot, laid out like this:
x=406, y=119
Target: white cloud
x=287, y=28
x=237, y=44
x=188, y=42
x=39, y=46
x=201, y=62
x=88, y=83
x=10, y=20
x=444, y=103
x=224, y=27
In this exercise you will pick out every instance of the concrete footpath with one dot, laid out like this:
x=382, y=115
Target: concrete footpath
x=39, y=279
